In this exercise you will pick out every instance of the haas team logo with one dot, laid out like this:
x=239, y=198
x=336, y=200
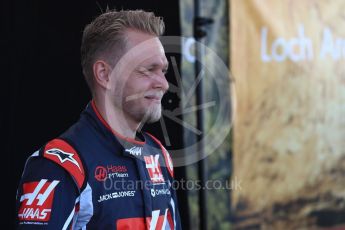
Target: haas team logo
x=37, y=200
x=154, y=168
x=101, y=173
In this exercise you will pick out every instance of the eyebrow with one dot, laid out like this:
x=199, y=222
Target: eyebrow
x=155, y=65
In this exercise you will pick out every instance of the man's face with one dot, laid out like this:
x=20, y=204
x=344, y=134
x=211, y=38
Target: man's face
x=139, y=78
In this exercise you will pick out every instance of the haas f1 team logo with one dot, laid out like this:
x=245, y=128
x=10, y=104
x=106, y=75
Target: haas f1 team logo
x=154, y=168
x=37, y=200
x=101, y=173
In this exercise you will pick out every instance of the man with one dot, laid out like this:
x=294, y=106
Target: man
x=102, y=173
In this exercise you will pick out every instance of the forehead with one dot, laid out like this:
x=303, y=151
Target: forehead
x=143, y=46
x=140, y=49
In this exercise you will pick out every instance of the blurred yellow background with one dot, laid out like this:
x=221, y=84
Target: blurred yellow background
x=288, y=62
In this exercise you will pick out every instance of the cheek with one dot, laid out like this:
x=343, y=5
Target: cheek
x=132, y=96
x=134, y=90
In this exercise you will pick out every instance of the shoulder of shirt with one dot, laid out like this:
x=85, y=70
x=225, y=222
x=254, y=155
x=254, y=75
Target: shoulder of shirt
x=62, y=153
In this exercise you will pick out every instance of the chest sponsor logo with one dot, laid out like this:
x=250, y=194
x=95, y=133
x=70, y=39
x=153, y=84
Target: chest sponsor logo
x=135, y=151
x=158, y=192
x=115, y=195
x=154, y=168
x=110, y=171
x=37, y=200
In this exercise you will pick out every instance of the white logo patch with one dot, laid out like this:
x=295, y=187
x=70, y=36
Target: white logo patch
x=63, y=156
x=135, y=151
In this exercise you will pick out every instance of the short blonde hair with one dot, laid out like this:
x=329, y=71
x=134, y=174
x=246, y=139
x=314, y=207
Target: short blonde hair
x=104, y=36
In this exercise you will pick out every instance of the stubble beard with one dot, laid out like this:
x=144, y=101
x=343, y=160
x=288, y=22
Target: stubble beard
x=150, y=114
x=153, y=114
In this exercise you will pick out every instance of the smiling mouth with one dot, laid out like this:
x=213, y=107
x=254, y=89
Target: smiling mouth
x=154, y=98
x=149, y=96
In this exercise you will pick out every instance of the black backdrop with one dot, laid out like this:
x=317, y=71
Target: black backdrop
x=43, y=89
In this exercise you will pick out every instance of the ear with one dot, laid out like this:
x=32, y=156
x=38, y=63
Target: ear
x=101, y=72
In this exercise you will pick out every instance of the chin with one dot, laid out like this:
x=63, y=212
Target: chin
x=153, y=115
x=153, y=119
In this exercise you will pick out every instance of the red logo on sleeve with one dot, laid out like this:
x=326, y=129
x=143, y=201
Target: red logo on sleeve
x=37, y=200
x=67, y=157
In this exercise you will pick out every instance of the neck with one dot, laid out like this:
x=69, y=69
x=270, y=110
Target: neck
x=116, y=119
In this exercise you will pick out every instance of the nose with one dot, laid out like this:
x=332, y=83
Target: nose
x=160, y=82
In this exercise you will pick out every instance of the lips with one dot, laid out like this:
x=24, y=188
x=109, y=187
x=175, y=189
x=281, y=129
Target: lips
x=154, y=96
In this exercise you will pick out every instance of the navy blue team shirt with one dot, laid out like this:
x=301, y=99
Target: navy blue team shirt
x=93, y=178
